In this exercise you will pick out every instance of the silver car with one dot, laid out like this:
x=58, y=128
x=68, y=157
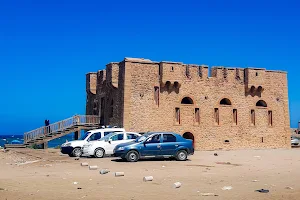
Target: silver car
x=294, y=141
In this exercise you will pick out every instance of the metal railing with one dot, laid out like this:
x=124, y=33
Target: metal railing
x=77, y=120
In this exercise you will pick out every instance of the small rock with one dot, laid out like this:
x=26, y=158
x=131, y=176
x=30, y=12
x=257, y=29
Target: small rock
x=255, y=181
x=79, y=188
x=209, y=194
x=177, y=185
x=84, y=164
x=119, y=174
x=2, y=189
x=227, y=188
x=75, y=183
x=215, y=154
x=93, y=167
x=148, y=178
x=77, y=158
x=289, y=188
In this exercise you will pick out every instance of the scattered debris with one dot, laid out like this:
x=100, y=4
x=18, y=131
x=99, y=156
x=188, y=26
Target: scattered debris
x=75, y=183
x=200, y=165
x=209, y=194
x=119, y=174
x=289, y=188
x=163, y=166
x=27, y=162
x=177, y=185
x=93, y=167
x=262, y=191
x=84, y=164
x=77, y=158
x=215, y=154
x=148, y=178
x=256, y=156
x=228, y=163
x=227, y=188
x=104, y=171
x=255, y=181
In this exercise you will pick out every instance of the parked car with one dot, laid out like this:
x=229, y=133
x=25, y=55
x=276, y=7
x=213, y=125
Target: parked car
x=106, y=145
x=155, y=144
x=294, y=141
x=73, y=148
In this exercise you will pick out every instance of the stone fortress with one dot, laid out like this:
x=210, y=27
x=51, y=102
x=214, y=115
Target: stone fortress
x=226, y=108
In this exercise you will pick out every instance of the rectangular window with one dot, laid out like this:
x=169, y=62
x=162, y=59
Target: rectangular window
x=177, y=115
x=197, y=115
x=270, y=117
x=252, y=117
x=234, y=116
x=262, y=139
x=156, y=95
x=217, y=116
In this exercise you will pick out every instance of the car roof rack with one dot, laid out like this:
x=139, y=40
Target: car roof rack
x=109, y=126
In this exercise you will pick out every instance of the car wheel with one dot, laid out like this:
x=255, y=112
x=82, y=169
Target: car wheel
x=132, y=156
x=181, y=155
x=76, y=152
x=99, y=153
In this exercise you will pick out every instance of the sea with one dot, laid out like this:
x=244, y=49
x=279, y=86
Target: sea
x=18, y=139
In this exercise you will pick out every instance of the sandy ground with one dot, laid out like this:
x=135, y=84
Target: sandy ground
x=52, y=176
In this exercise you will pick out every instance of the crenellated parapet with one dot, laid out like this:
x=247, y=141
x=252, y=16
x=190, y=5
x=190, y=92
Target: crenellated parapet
x=91, y=82
x=112, y=74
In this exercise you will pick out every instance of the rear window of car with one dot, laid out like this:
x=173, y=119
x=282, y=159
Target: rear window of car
x=169, y=138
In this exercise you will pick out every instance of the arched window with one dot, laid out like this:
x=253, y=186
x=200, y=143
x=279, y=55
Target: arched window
x=261, y=103
x=225, y=101
x=187, y=100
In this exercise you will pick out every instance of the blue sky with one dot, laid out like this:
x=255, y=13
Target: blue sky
x=47, y=47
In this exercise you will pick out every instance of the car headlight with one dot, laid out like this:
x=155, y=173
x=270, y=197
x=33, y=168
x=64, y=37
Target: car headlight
x=120, y=148
x=66, y=144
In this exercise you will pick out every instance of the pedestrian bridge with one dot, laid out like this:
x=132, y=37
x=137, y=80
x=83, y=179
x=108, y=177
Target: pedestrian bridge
x=58, y=129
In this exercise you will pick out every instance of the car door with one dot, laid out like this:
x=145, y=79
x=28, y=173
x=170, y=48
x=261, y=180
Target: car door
x=152, y=146
x=114, y=140
x=94, y=136
x=168, y=145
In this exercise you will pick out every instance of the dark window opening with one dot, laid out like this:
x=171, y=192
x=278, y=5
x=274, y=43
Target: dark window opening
x=235, y=116
x=270, y=117
x=225, y=101
x=217, y=116
x=253, y=117
x=169, y=138
x=262, y=139
x=172, y=69
x=156, y=95
x=261, y=103
x=177, y=115
x=256, y=74
x=197, y=115
x=187, y=100
x=176, y=84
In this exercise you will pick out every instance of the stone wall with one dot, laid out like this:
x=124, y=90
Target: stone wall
x=140, y=108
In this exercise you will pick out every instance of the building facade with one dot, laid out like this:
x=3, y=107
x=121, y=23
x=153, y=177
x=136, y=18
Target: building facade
x=228, y=108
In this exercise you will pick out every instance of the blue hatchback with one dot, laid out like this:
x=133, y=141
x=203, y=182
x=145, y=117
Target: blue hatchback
x=155, y=144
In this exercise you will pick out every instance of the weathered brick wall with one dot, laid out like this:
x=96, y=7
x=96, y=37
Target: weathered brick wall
x=91, y=87
x=138, y=111
x=207, y=93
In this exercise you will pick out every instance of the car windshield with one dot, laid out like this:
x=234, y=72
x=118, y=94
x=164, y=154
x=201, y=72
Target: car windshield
x=143, y=137
x=84, y=136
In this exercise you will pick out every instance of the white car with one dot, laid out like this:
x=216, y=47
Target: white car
x=73, y=148
x=294, y=141
x=106, y=145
